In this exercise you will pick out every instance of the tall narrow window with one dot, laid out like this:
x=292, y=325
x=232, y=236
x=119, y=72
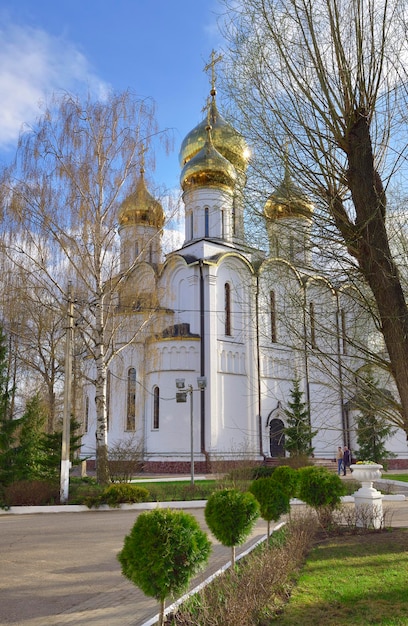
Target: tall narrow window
x=222, y=224
x=273, y=316
x=227, y=289
x=131, y=400
x=234, y=220
x=156, y=408
x=206, y=222
x=312, y=325
x=191, y=225
x=344, y=331
x=136, y=249
x=291, y=249
x=151, y=253
x=86, y=418
x=108, y=393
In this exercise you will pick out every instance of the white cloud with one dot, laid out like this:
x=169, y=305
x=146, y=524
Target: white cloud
x=33, y=65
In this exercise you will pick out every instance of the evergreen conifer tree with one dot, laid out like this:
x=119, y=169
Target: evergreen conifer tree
x=298, y=433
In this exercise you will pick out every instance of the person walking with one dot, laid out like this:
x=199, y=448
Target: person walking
x=339, y=460
x=346, y=459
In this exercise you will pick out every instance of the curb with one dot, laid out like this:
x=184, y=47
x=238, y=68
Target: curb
x=147, y=506
x=80, y=508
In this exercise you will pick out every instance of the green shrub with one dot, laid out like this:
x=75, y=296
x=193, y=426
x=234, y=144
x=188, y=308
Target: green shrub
x=272, y=498
x=124, y=492
x=80, y=489
x=262, y=471
x=162, y=552
x=288, y=478
x=231, y=515
x=31, y=493
x=118, y=493
x=322, y=490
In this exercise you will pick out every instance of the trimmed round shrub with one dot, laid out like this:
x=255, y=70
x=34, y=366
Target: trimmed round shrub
x=272, y=498
x=231, y=515
x=162, y=552
x=318, y=487
x=288, y=478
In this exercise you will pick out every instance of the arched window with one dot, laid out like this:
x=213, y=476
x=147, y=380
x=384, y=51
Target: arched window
x=206, y=222
x=131, y=400
x=291, y=248
x=343, y=330
x=227, y=290
x=312, y=325
x=273, y=316
x=156, y=408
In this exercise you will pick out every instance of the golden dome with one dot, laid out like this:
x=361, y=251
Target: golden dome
x=288, y=201
x=208, y=168
x=226, y=139
x=141, y=208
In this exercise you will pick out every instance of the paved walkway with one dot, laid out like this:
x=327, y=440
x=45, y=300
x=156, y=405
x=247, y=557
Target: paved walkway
x=62, y=569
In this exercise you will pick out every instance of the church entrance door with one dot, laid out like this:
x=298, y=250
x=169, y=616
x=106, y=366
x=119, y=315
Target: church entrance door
x=277, y=438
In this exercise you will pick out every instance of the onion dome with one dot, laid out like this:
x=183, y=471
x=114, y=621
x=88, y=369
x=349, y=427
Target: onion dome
x=288, y=201
x=208, y=168
x=226, y=139
x=141, y=208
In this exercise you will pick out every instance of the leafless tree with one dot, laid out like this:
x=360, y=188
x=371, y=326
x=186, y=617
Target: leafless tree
x=73, y=170
x=322, y=84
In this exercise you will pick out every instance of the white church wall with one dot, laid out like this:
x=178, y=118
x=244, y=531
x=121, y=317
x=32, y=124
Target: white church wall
x=280, y=288
x=233, y=425
x=326, y=418
x=179, y=284
x=169, y=360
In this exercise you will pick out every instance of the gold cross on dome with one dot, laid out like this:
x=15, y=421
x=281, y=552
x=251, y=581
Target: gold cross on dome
x=211, y=65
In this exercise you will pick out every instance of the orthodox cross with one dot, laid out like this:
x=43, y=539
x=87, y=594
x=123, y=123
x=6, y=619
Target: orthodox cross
x=211, y=65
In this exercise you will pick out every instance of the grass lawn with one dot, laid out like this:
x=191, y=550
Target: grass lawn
x=401, y=477
x=168, y=491
x=352, y=579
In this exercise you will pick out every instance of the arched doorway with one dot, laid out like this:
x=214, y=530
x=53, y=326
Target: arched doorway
x=277, y=438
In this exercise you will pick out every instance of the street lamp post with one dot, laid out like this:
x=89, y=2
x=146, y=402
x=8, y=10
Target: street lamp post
x=190, y=391
x=181, y=396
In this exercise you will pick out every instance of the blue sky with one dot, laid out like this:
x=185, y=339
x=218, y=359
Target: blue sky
x=155, y=48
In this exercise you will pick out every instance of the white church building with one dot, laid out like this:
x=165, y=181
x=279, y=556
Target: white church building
x=226, y=329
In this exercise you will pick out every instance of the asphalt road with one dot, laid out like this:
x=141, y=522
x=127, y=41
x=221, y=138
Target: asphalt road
x=58, y=569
